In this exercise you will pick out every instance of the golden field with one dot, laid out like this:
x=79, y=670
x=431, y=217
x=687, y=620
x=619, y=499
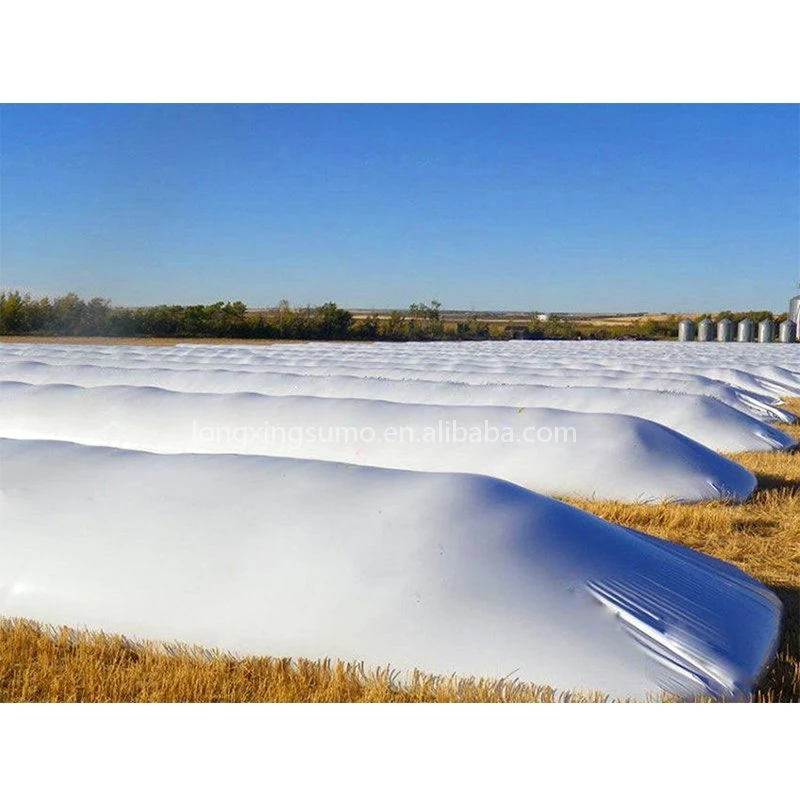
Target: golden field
x=761, y=537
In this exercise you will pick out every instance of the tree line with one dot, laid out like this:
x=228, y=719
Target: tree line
x=71, y=315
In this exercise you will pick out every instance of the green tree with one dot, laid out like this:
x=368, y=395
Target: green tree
x=15, y=316
x=395, y=327
x=330, y=322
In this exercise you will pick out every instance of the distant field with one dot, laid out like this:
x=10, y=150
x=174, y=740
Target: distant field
x=623, y=320
x=522, y=317
x=759, y=536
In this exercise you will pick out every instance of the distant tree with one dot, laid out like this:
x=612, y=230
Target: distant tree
x=284, y=319
x=96, y=316
x=68, y=314
x=426, y=320
x=395, y=328
x=472, y=328
x=330, y=322
x=15, y=313
x=367, y=328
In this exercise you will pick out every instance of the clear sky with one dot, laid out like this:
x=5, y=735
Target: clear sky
x=565, y=207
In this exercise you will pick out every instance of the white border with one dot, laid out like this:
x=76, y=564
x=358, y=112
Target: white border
x=432, y=51
x=377, y=751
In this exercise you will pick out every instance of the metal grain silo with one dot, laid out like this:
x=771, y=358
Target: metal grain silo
x=705, y=330
x=787, y=332
x=746, y=331
x=766, y=331
x=686, y=330
x=725, y=330
x=794, y=310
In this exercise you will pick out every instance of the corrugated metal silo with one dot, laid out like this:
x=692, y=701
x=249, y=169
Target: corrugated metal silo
x=794, y=310
x=787, y=332
x=766, y=331
x=746, y=331
x=686, y=330
x=725, y=330
x=705, y=330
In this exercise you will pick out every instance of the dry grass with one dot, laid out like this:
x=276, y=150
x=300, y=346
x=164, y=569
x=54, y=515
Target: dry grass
x=39, y=664
x=630, y=319
x=760, y=537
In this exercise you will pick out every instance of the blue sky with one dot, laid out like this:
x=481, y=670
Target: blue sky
x=565, y=207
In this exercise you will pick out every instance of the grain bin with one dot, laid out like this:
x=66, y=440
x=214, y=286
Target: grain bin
x=766, y=331
x=686, y=330
x=705, y=330
x=787, y=332
x=794, y=310
x=745, y=331
x=725, y=330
